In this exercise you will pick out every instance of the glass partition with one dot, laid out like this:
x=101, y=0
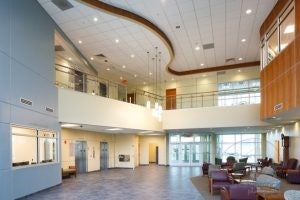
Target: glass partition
x=31, y=146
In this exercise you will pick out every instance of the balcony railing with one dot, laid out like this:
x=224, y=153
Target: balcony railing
x=78, y=81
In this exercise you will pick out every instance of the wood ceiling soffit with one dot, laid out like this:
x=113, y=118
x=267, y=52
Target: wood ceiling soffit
x=157, y=31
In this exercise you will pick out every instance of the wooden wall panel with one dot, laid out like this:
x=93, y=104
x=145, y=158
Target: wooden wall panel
x=281, y=77
x=297, y=80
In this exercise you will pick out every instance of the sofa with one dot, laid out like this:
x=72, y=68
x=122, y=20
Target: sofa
x=218, y=180
x=282, y=169
x=238, y=191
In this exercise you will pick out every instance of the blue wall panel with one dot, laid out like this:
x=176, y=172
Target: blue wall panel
x=33, y=38
x=5, y=161
x=4, y=77
x=5, y=26
x=6, y=185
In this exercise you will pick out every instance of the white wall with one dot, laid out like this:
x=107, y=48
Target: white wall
x=291, y=130
x=213, y=117
x=82, y=108
x=160, y=141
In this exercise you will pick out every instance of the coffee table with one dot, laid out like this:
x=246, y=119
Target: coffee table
x=267, y=193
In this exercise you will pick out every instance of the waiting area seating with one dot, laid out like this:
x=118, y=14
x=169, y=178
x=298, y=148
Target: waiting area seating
x=219, y=179
x=66, y=173
x=281, y=170
x=238, y=191
x=293, y=176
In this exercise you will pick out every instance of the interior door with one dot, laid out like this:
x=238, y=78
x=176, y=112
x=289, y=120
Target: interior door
x=80, y=156
x=131, y=98
x=103, y=155
x=171, y=99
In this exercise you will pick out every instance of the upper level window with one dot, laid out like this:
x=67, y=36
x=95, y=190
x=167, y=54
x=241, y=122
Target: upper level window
x=287, y=28
x=280, y=35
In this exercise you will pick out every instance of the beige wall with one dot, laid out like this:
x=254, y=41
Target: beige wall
x=125, y=145
x=152, y=152
x=159, y=141
x=93, y=139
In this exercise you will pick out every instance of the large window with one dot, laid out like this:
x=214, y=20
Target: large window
x=31, y=146
x=279, y=36
x=239, y=92
x=189, y=149
x=239, y=145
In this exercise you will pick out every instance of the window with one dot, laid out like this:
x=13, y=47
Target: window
x=287, y=28
x=280, y=35
x=31, y=146
x=239, y=92
x=272, y=45
x=239, y=145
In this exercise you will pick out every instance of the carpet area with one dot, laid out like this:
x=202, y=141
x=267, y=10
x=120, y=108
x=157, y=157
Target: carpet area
x=201, y=184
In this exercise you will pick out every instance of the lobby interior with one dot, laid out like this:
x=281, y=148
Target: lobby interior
x=138, y=95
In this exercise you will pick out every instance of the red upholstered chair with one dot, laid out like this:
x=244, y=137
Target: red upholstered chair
x=290, y=164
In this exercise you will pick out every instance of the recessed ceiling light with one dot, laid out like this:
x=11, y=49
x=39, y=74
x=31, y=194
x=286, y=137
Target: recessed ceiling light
x=132, y=55
x=240, y=58
x=204, y=75
x=92, y=58
x=172, y=79
x=113, y=129
x=117, y=40
x=239, y=70
x=243, y=40
x=123, y=66
x=79, y=41
x=121, y=77
x=95, y=19
x=248, y=11
x=107, y=69
x=150, y=73
x=135, y=75
x=144, y=83
x=197, y=48
x=69, y=58
x=202, y=64
x=70, y=125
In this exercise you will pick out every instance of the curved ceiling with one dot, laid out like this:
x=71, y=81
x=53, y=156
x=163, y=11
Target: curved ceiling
x=204, y=34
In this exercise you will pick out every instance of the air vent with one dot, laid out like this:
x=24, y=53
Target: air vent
x=25, y=101
x=59, y=48
x=208, y=46
x=63, y=4
x=49, y=109
x=221, y=73
x=101, y=55
x=230, y=59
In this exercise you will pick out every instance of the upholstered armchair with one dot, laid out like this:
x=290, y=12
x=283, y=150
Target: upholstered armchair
x=293, y=176
x=218, y=161
x=239, y=168
x=243, y=160
x=238, y=191
x=219, y=179
x=230, y=160
x=290, y=164
x=205, y=167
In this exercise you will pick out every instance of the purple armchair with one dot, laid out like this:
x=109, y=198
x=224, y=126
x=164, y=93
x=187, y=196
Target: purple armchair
x=205, y=167
x=218, y=180
x=238, y=192
x=290, y=164
x=293, y=176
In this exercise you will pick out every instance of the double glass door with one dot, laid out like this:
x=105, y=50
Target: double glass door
x=185, y=154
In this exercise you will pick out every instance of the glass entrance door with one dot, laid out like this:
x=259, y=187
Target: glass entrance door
x=187, y=154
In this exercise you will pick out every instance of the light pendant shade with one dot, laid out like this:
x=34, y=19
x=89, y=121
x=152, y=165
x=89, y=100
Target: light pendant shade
x=148, y=104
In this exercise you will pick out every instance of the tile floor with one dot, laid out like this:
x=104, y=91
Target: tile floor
x=142, y=183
